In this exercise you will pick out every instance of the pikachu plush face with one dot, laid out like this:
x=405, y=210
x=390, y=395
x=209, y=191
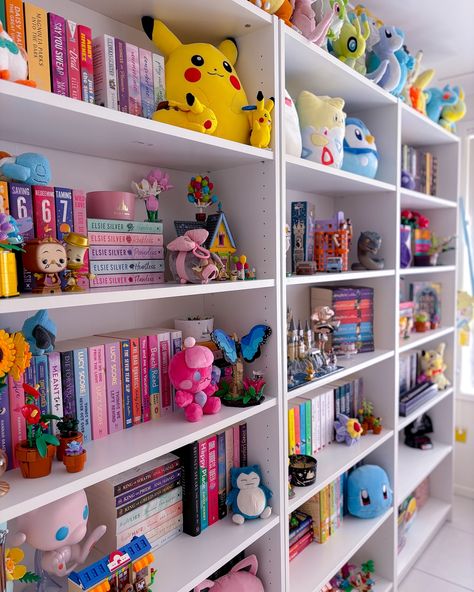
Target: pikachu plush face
x=208, y=73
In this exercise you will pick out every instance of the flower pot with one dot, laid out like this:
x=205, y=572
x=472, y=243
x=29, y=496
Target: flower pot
x=422, y=261
x=75, y=463
x=434, y=259
x=32, y=465
x=377, y=430
x=199, y=329
x=434, y=325
x=63, y=442
x=421, y=326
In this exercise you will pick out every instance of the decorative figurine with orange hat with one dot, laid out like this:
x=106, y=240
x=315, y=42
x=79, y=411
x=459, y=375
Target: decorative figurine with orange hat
x=45, y=258
x=77, y=246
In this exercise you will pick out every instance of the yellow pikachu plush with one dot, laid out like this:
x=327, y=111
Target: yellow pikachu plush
x=208, y=74
x=260, y=121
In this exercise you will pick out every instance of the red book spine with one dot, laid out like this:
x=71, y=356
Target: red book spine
x=136, y=378
x=212, y=480
x=145, y=369
x=44, y=211
x=300, y=545
x=86, y=65
x=73, y=62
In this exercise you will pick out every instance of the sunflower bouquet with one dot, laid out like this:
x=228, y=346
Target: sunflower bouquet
x=15, y=356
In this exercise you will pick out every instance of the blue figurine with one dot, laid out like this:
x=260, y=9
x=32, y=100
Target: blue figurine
x=248, y=497
x=437, y=98
x=407, y=62
x=360, y=151
x=40, y=332
x=369, y=493
x=30, y=167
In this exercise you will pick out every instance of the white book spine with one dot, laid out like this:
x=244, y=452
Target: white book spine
x=105, y=73
x=159, y=85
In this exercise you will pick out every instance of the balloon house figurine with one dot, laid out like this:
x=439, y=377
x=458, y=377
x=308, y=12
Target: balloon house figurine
x=77, y=246
x=200, y=195
x=235, y=390
x=149, y=190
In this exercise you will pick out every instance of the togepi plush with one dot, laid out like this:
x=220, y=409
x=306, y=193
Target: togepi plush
x=438, y=98
x=30, y=168
x=433, y=367
x=40, y=332
x=360, y=152
x=241, y=578
x=323, y=123
x=292, y=127
x=208, y=74
x=453, y=113
x=195, y=379
x=189, y=261
x=383, y=66
x=13, y=60
x=248, y=497
x=369, y=493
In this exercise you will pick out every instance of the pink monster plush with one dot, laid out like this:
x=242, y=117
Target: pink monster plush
x=195, y=380
x=241, y=578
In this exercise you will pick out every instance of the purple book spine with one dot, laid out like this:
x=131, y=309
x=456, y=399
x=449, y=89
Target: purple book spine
x=21, y=208
x=5, y=429
x=146, y=83
x=133, y=69
x=130, y=496
x=114, y=386
x=57, y=49
x=67, y=378
x=122, y=76
x=138, y=252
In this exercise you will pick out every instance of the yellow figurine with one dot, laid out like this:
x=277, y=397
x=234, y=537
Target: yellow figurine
x=76, y=249
x=260, y=121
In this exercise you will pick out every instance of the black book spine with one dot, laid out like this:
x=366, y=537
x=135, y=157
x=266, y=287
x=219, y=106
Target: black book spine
x=189, y=456
x=243, y=445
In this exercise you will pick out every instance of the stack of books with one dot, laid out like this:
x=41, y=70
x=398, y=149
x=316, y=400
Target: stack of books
x=311, y=417
x=326, y=510
x=146, y=500
x=206, y=476
x=422, y=167
x=125, y=253
x=354, y=308
x=413, y=394
x=301, y=532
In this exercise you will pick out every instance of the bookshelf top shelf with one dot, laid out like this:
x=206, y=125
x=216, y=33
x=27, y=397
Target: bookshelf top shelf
x=418, y=130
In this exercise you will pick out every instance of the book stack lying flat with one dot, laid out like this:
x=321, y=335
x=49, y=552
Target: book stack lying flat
x=301, y=532
x=412, y=399
x=125, y=253
x=146, y=500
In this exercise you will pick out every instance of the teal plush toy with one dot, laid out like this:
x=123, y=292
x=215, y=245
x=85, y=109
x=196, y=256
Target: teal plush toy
x=438, y=98
x=369, y=493
x=248, y=497
x=407, y=63
x=40, y=332
x=30, y=167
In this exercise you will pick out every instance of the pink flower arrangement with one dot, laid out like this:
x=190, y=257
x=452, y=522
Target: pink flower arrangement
x=257, y=384
x=149, y=190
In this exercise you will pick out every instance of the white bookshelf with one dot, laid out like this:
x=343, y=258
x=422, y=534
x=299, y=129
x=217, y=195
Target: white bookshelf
x=104, y=149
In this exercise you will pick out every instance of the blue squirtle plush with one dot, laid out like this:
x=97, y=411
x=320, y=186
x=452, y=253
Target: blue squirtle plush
x=40, y=332
x=248, y=497
x=360, y=152
x=369, y=493
x=30, y=167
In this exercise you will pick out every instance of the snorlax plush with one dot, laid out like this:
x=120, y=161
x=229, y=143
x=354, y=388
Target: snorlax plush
x=248, y=497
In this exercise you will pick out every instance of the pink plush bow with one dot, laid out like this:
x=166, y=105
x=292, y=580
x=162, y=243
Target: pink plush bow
x=191, y=241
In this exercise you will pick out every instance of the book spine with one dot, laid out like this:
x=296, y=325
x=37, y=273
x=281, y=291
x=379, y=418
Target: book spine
x=122, y=238
x=36, y=26
x=146, y=83
x=30, y=377
x=68, y=386
x=86, y=63
x=104, y=253
x=135, y=377
x=154, y=376
x=300, y=528
x=4, y=204
x=5, y=428
x=236, y=449
x=16, y=398
x=58, y=54
x=126, y=384
x=302, y=428
x=81, y=384
x=221, y=476
x=318, y=431
x=44, y=211
x=189, y=456
x=297, y=430
x=176, y=345
x=21, y=208
x=98, y=392
x=55, y=387
x=80, y=226
x=170, y=494
x=301, y=545
x=122, y=74
x=42, y=379
x=203, y=478
x=113, y=379
x=105, y=74
x=150, y=523
x=325, y=512
x=212, y=481
x=309, y=439
x=243, y=444
x=161, y=542
x=130, y=227
x=131, y=267
x=165, y=384
x=291, y=431
x=144, y=379
x=151, y=475
x=161, y=531
x=159, y=91
x=63, y=208
x=14, y=21
x=144, y=490
x=229, y=457
x=73, y=62
x=147, y=498
x=133, y=69
x=300, y=535
x=124, y=279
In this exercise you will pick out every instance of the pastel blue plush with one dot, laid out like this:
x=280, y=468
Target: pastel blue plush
x=437, y=98
x=40, y=332
x=382, y=59
x=360, y=151
x=30, y=167
x=369, y=493
x=407, y=62
x=248, y=497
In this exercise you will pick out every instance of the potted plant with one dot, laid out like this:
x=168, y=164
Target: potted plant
x=251, y=393
x=74, y=456
x=200, y=328
x=377, y=425
x=434, y=323
x=35, y=454
x=68, y=432
x=422, y=322
x=438, y=246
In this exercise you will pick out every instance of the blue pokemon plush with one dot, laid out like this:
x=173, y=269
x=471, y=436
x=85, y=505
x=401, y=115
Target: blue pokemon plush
x=360, y=152
x=40, y=332
x=30, y=167
x=438, y=98
x=368, y=492
x=248, y=497
x=383, y=66
x=407, y=63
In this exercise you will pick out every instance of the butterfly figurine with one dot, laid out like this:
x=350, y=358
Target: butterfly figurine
x=248, y=348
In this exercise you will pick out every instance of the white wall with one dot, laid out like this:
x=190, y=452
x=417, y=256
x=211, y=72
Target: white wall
x=464, y=452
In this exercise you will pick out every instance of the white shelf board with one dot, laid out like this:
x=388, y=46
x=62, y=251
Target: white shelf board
x=427, y=270
x=419, y=339
x=97, y=131
x=323, y=278
x=317, y=564
x=419, y=130
x=133, y=447
x=205, y=553
x=404, y=421
x=417, y=200
x=312, y=177
x=382, y=585
x=33, y=302
x=309, y=66
x=414, y=465
x=335, y=459
x=425, y=526
x=355, y=364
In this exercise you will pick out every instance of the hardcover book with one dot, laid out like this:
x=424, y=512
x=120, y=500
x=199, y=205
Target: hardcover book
x=63, y=207
x=136, y=380
x=203, y=484
x=55, y=386
x=147, y=488
x=98, y=393
x=81, y=382
x=68, y=385
x=145, y=385
x=128, y=267
x=21, y=208
x=80, y=226
x=221, y=476
x=58, y=54
x=149, y=524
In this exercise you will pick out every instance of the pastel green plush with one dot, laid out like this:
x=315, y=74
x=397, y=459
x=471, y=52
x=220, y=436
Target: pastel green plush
x=351, y=43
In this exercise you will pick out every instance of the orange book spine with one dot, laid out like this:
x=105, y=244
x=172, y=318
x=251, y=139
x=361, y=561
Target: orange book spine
x=136, y=386
x=37, y=41
x=15, y=21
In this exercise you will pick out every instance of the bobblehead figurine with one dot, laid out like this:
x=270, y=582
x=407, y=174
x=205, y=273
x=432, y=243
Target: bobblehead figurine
x=45, y=258
x=360, y=152
x=77, y=246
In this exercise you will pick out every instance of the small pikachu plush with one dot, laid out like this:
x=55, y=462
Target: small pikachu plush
x=260, y=121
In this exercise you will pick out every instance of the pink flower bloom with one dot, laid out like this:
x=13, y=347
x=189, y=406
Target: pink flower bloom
x=162, y=179
x=151, y=203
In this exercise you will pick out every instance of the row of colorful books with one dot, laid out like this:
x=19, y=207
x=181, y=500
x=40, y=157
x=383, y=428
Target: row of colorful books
x=422, y=166
x=311, y=417
x=65, y=59
x=301, y=532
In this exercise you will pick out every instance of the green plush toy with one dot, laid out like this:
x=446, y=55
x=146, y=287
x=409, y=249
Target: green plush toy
x=351, y=43
x=322, y=8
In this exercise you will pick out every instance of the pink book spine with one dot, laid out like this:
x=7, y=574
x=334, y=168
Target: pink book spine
x=144, y=365
x=98, y=393
x=123, y=238
x=86, y=63
x=113, y=376
x=16, y=397
x=165, y=385
x=150, y=524
x=154, y=376
x=212, y=480
x=133, y=69
x=137, y=279
x=80, y=225
x=236, y=446
x=58, y=53
x=44, y=211
x=73, y=65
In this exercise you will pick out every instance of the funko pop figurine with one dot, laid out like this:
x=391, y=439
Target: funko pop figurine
x=45, y=258
x=77, y=246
